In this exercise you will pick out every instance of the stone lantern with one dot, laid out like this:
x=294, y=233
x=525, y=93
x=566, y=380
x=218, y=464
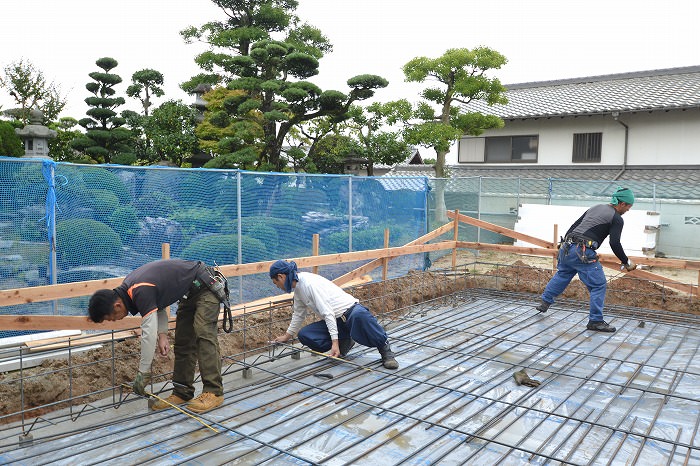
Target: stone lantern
x=36, y=136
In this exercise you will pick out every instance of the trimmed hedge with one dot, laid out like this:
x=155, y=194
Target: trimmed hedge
x=84, y=241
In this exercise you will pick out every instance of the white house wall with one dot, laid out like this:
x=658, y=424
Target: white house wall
x=659, y=138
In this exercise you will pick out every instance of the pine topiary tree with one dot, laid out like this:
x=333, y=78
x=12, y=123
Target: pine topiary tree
x=105, y=139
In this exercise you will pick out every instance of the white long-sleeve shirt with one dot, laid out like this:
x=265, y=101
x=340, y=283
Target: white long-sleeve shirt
x=323, y=297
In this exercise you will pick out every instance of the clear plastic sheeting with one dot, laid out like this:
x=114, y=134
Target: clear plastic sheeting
x=624, y=398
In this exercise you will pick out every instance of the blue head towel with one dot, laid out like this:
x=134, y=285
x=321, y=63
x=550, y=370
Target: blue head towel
x=287, y=268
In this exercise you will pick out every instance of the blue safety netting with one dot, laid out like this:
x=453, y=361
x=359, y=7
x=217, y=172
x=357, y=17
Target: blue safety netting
x=62, y=223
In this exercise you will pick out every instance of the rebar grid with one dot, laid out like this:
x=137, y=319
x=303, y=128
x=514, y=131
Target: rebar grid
x=604, y=398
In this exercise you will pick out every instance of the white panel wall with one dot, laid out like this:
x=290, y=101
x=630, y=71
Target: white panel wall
x=638, y=236
x=658, y=138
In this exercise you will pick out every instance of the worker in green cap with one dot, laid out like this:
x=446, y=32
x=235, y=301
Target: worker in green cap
x=577, y=255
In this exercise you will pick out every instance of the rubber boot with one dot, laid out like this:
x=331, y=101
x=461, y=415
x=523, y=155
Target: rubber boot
x=388, y=359
x=345, y=346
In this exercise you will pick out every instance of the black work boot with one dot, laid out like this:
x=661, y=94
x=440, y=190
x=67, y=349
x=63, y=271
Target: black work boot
x=600, y=326
x=543, y=306
x=345, y=346
x=388, y=359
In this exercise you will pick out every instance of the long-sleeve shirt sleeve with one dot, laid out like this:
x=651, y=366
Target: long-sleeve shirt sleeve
x=323, y=297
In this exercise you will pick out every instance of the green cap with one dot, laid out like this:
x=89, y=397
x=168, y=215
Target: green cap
x=622, y=195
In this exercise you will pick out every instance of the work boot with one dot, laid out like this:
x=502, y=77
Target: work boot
x=388, y=359
x=600, y=326
x=205, y=402
x=345, y=346
x=173, y=399
x=543, y=306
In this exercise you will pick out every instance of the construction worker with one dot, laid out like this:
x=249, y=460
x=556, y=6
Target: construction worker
x=148, y=291
x=577, y=255
x=344, y=319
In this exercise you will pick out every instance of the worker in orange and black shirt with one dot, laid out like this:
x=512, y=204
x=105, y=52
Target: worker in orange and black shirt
x=148, y=291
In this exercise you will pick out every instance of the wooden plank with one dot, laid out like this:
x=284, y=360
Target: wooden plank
x=646, y=275
x=368, y=267
x=51, y=322
x=86, y=288
x=65, y=342
x=501, y=230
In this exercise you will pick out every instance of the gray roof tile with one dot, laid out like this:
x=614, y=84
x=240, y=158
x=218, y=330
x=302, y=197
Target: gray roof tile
x=647, y=182
x=674, y=88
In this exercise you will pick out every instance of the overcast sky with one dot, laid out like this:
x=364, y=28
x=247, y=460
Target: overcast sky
x=542, y=39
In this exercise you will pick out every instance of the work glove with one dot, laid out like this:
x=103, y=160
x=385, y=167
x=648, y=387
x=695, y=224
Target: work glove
x=629, y=266
x=521, y=378
x=142, y=379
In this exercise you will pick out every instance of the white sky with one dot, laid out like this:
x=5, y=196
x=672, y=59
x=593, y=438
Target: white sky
x=542, y=39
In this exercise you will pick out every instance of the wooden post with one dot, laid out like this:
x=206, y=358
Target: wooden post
x=456, y=238
x=315, y=240
x=555, y=240
x=385, y=261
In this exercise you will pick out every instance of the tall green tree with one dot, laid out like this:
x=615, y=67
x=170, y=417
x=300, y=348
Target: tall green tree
x=442, y=117
x=105, y=139
x=28, y=86
x=247, y=21
x=145, y=84
x=371, y=128
x=278, y=103
x=171, y=130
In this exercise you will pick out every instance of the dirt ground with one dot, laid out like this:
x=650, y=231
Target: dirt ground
x=91, y=375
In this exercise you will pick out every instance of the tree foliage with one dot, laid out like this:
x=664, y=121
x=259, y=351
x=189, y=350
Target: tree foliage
x=276, y=102
x=106, y=139
x=10, y=144
x=248, y=21
x=461, y=75
x=265, y=53
x=377, y=142
x=144, y=84
x=29, y=88
x=60, y=148
x=171, y=130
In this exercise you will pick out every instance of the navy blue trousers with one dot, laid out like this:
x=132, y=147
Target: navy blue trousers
x=591, y=274
x=361, y=326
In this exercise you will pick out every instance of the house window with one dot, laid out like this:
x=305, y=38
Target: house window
x=511, y=149
x=587, y=147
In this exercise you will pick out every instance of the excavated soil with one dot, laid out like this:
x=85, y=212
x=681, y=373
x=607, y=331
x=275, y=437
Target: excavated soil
x=91, y=375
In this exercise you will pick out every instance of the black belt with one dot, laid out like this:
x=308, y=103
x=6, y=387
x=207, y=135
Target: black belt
x=589, y=243
x=346, y=314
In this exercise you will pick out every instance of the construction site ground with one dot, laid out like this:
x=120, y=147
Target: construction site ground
x=459, y=336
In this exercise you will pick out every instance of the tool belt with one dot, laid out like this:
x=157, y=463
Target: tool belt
x=212, y=279
x=347, y=313
x=582, y=241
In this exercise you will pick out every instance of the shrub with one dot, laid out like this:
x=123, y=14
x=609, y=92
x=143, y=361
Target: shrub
x=102, y=202
x=198, y=220
x=85, y=242
x=125, y=222
x=362, y=240
x=223, y=249
x=155, y=204
x=100, y=178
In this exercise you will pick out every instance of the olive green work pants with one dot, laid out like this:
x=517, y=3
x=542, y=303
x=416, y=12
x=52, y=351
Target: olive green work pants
x=196, y=341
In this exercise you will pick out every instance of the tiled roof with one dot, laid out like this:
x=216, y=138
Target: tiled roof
x=649, y=182
x=668, y=89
